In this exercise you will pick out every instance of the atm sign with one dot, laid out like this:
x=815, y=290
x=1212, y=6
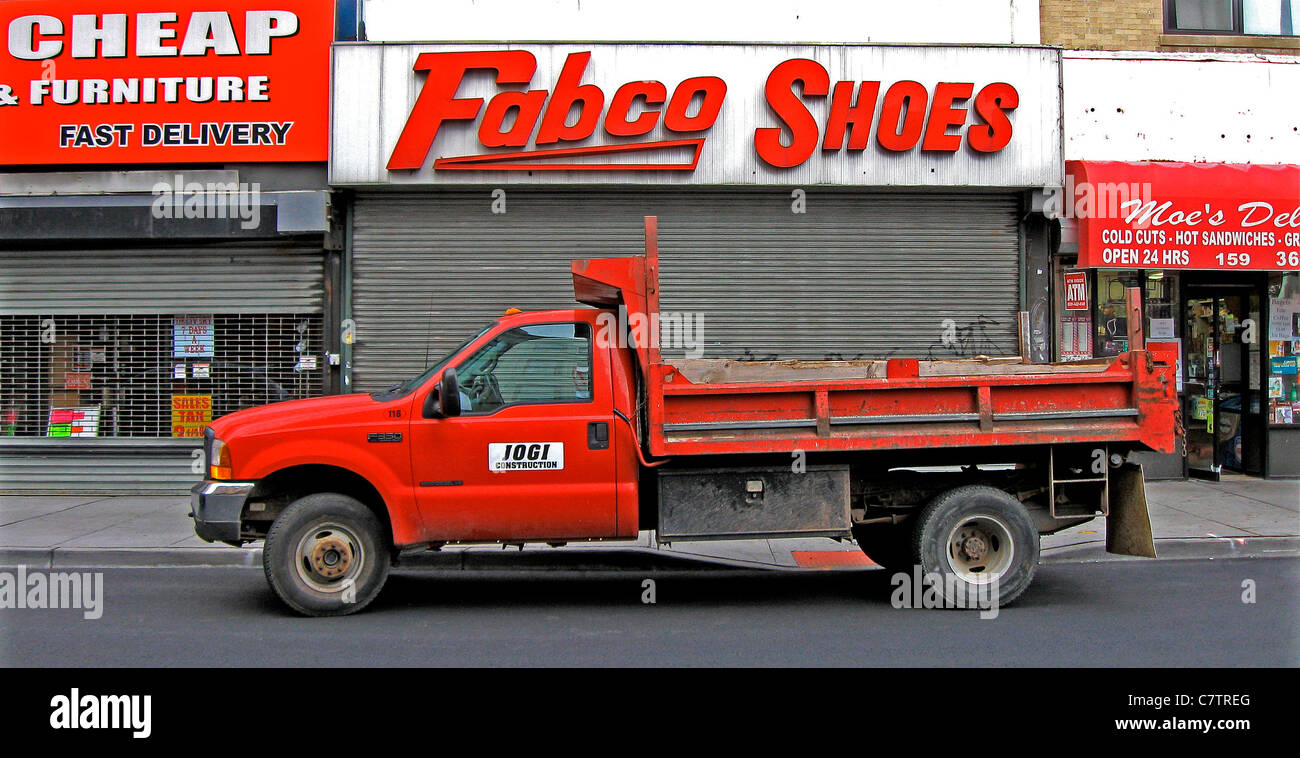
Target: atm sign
x=1076, y=291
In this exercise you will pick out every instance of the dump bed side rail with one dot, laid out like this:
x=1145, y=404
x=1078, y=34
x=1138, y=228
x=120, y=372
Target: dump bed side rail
x=1131, y=400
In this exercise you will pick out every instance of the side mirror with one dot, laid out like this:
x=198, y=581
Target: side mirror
x=444, y=401
x=449, y=393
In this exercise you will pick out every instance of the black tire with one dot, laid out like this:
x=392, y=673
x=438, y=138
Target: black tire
x=976, y=516
x=887, y=545
x=326, y=555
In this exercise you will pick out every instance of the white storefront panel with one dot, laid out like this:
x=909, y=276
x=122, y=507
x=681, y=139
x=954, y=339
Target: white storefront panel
x=701, y=115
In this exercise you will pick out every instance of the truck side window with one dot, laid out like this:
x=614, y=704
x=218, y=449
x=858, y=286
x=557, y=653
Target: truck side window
x=545, y=363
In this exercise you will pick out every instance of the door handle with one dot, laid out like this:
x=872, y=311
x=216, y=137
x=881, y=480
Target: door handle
x=598, y=435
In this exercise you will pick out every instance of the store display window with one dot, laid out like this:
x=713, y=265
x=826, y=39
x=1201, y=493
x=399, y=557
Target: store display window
x=1283, y=349
x=150, y=376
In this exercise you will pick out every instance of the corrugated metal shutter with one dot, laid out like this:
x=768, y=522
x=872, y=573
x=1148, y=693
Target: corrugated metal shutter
x=101, y=467
x=857, y=275
x=225, y=279
x=119, y=302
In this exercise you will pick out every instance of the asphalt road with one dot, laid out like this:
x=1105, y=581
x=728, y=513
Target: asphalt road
x=1130, y=613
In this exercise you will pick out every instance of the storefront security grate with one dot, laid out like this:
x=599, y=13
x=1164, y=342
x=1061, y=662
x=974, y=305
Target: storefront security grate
x=150, y=376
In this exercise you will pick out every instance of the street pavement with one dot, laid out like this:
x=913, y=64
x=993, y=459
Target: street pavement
x=1237, y=517
x=1130, y=613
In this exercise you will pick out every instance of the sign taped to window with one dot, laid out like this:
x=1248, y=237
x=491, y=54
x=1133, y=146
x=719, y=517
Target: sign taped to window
x=1075, y=338
x=73, y=422
x=1076, y=290
x=191, y=414
x=76, y=380
x=193, y=336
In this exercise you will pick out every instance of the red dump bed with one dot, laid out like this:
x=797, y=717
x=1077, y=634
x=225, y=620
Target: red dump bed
x=700, y=407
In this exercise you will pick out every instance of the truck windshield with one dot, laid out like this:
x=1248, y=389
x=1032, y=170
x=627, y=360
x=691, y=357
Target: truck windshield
x=402, y=388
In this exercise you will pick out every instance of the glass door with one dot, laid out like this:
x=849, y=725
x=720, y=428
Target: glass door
x=1239, y=421
x=1222, y=412
x=1202, y=376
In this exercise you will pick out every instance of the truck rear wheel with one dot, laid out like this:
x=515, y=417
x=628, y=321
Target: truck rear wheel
x=887, y=545
x=325, y=555
x=980, y=542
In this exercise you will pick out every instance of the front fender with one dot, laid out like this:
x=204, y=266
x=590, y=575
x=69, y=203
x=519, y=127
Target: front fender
x=385, y=465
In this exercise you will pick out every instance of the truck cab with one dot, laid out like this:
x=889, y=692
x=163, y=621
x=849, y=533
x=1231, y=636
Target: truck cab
x=530, y=447
x=518, y=435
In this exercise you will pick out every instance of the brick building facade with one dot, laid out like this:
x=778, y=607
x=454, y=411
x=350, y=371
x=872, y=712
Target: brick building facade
x=1150, y=25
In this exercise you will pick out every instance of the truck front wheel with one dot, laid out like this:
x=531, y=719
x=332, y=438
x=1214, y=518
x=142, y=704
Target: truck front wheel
x=325, y=555
x=979, y=544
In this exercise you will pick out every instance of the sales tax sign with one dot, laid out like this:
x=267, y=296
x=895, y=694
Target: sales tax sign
x=191, y=414
x=1207, y=216
x=940, y=116
x=150, y=81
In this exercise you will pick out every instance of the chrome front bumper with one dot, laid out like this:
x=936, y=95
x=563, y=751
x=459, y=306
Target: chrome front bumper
x=216, y=508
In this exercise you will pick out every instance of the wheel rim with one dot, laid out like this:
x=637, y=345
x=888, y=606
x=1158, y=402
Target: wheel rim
x=980, y=549
x=329, y=558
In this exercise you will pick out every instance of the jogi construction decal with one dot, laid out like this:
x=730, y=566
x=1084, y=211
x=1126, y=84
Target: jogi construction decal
x=525, y=456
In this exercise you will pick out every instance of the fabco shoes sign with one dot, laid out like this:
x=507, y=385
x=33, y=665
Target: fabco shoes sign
x=138, y=81
x=696, y=114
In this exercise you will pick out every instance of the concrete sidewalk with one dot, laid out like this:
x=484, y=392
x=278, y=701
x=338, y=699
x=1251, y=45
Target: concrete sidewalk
x=1238, y=517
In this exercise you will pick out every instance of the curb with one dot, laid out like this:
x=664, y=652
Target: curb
x=1180, y=548
x=630, y=558
x=129, y=557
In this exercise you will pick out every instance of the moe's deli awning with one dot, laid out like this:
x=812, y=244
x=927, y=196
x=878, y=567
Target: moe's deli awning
x=1211, y=216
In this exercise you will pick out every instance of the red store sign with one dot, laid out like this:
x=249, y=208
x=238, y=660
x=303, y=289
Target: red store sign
x=1209, y=216
x=143, y=81
x=1076, y=290
x=937, y=119
x=695, y=114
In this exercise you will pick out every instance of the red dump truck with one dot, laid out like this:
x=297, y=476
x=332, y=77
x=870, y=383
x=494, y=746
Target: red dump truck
x=569, y=425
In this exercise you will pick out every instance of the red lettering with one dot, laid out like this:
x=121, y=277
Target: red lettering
x=902, y=116
x=437, y=100
x=715, y=91
x=620, y=107
x=790, y=109
x=992, y=104
x=858, y=115
x=943, y=115
x=529, y=107
x=908, y=116
x=588, y=97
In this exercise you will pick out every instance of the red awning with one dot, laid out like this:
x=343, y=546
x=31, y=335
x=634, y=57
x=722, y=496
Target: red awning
x=1158, y=215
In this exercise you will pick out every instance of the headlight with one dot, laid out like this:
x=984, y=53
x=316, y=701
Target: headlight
x=218, y=460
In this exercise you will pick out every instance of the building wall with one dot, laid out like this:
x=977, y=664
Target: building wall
x=1102, y=24
x=1138, y=25
x=815, y=21
x=1223, y=108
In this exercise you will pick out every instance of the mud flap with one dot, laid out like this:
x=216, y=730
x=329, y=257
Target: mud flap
x=1128, y=526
